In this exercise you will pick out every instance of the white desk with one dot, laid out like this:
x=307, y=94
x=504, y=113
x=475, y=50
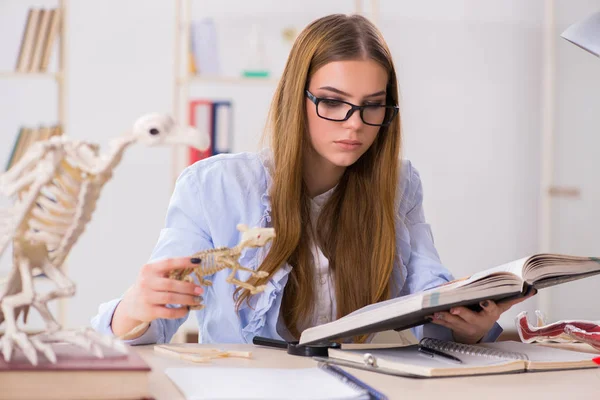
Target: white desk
x=564, y=385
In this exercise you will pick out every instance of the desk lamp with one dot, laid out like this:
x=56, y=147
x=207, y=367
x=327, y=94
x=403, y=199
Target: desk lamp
x=585, y=34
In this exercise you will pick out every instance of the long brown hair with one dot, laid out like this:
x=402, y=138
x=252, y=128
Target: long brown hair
x=356, y=227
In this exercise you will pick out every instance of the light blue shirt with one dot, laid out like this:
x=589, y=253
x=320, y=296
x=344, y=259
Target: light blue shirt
x=213, y=195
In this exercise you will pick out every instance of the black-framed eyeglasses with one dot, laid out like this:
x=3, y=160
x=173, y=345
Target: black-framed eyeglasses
x=338, y=111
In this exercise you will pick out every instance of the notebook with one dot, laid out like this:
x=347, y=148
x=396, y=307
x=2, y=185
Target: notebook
x=315, y=383
x=481, y=359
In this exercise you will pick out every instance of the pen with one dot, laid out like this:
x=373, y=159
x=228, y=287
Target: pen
x=347, y=377
x=432, y=353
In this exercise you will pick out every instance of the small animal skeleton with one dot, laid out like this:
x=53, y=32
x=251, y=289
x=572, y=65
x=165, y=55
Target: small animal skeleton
x=214, y=260
x=57, y=184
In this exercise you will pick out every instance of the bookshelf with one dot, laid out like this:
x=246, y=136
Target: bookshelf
x=33, y=75
x=183, y=79
x=59, y=76
x=227, y=79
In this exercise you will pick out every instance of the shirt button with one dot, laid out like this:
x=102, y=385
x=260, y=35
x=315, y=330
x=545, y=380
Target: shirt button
x=322, y=280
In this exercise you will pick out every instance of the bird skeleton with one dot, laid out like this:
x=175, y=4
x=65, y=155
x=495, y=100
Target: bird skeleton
x=57, y=184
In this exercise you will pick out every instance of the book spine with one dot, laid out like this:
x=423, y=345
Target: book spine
x=201, y=117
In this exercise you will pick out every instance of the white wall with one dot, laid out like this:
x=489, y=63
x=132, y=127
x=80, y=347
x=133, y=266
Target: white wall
x=470, y=85
x=576, y=222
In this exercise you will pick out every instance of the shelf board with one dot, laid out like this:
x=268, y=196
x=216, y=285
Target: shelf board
x=229, y=79
x=27, y=75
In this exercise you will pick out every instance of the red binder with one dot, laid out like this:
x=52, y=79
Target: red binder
x=201, y=116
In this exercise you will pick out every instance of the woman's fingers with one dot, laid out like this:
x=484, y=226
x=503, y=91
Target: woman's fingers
x=169, y=313
x=451, y=321
x=491, y=309
x=169, y=264
x=175, y=286
x=162, y=298
x=505, y=305
x=466, y=314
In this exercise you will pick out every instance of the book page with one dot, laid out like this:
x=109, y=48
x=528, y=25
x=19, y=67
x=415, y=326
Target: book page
x=537, y=353
x=513, y=267
x=260, y=383
x=551, y=269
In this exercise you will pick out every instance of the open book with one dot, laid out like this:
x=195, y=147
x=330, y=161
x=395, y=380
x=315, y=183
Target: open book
x=505, y=282
x=481, y=359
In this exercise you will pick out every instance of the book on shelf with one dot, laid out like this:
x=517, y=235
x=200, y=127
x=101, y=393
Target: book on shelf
x=27, y=40
x=50, y=38
x=505, y=282
x=204, y=47
x=222, y=127
x=39, y=34
x=480, y=359
x=77, y=374
x=26, y=136
x=214, y=117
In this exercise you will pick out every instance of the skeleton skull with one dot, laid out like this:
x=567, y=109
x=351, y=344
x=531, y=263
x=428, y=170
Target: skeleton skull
x=160, y=129
x=256, y=237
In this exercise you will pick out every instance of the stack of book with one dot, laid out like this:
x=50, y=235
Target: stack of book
x=77, y=374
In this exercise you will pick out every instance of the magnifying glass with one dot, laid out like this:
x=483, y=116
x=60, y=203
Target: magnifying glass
x=295, y=349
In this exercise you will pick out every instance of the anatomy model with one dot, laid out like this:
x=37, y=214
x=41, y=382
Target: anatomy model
x=567, y=331
x=56, y=185
x=214, y=260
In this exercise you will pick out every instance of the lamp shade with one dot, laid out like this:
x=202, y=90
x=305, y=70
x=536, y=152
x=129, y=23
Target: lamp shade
x=585, y=34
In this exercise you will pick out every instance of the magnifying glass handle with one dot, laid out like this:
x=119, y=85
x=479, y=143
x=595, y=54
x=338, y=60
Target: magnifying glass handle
x=265, y=341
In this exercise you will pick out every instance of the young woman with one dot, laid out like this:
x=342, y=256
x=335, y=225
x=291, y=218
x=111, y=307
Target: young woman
x=347, y=212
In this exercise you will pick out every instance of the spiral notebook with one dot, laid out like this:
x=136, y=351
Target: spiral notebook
x=481, y=359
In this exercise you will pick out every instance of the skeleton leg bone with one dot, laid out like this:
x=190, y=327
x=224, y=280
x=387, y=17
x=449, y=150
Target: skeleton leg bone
x=8, y=305
x=86, y=338
x=256, y=274
x=65, y=288
x=253, y=289
x=237, y=266
x=201, y=280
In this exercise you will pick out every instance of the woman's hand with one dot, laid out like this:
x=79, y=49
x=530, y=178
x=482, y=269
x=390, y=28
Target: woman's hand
x=469, y=326
x=146, y=300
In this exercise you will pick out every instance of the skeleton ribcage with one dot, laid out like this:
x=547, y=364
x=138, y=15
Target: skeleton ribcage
x=55, y=210
x=209, y=265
